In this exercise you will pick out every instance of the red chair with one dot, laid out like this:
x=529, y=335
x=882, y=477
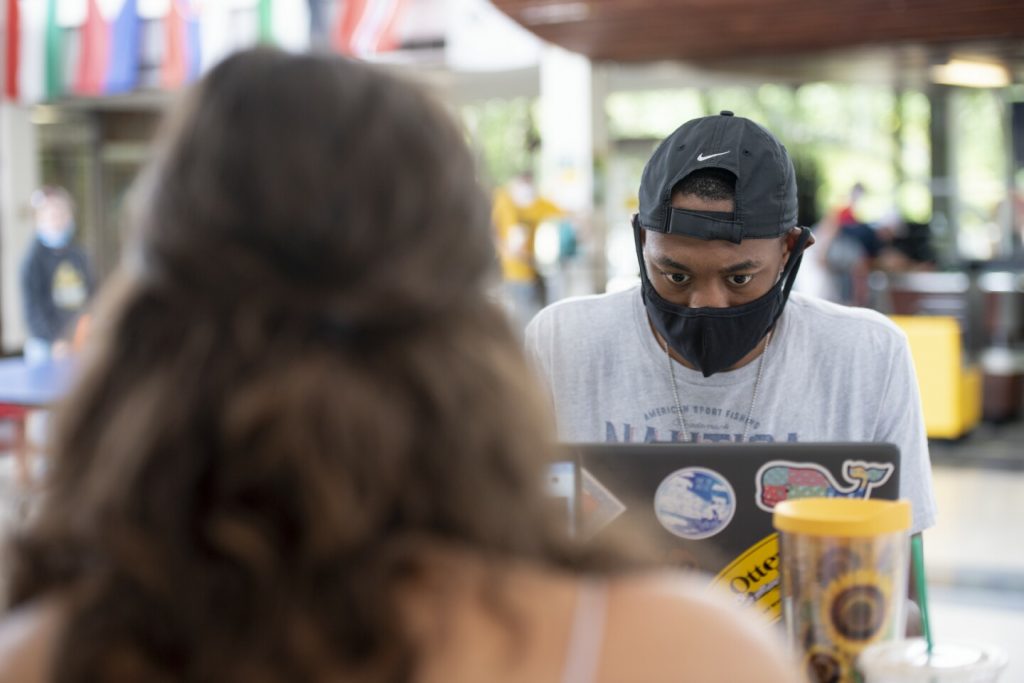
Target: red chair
x=19, y=445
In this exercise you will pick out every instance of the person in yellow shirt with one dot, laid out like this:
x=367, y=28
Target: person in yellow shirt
x=518, y=210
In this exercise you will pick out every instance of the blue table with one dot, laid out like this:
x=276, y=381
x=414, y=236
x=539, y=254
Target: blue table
x=23, y=388
x=33, y=386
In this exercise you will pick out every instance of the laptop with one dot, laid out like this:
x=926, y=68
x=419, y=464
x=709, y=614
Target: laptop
x=708, y=507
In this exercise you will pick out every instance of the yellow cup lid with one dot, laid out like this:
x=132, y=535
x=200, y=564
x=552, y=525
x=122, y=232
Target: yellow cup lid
x=842, y=516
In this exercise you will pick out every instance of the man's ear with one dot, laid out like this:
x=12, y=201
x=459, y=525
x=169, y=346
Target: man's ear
x=791, y=238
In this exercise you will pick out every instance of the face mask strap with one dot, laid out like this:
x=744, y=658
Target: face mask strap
x=793, y=266
x=640, y=257
x=636, y=242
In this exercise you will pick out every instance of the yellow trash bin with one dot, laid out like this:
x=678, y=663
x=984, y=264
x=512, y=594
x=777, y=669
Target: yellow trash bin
x=950, y=390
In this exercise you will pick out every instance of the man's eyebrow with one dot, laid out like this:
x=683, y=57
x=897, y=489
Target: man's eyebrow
x=740, y=267
x=743, y=267
x=666, y=262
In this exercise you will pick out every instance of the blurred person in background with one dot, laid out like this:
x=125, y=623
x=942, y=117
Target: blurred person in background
x=849, y=247
x=1009, y=214
x=56, y=277
x=518, y=211
x=900, y=249
x=305, y=446
x=847, y=214
x=865, y=234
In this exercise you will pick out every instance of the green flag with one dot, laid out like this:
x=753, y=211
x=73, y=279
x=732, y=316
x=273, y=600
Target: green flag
x=54, y=54
x=266, y=10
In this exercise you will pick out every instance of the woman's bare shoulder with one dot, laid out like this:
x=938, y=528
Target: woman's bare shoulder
x=668, y=623
x=27, y=635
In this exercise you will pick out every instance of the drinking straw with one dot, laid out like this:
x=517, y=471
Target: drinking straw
x=917, y=552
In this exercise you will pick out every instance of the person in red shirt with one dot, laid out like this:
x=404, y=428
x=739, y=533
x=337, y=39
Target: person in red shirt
x=846, y=214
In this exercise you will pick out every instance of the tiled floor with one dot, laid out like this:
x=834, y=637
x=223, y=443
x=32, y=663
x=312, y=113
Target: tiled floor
x=978, y=538
x=975, y=552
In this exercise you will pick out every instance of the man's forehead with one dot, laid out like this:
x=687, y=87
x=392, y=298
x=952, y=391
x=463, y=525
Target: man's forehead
x=693, y=250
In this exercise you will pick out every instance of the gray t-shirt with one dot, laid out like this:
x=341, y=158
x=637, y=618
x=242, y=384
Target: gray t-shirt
x=831, y=373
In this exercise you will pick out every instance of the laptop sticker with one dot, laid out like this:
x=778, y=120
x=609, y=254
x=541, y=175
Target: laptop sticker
x=599, y=507
x=753, y=577
x=695, y=503
x=780, y=480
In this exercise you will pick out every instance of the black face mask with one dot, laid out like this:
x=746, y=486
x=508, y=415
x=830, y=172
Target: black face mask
x=715, y=339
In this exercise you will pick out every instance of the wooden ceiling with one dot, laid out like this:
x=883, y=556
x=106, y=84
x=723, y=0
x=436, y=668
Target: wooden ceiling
x=699, y=30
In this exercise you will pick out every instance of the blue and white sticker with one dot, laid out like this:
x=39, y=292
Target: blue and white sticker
x=695, y=503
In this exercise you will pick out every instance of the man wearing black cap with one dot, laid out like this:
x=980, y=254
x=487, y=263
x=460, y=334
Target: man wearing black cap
x=711, y=347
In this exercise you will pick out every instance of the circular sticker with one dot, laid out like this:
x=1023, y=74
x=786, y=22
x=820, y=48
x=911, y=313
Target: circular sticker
x=695, y=502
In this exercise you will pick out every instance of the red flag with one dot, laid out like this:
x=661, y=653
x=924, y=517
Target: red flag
x=181, y=56
x=352, y=13
x=13, y=49
x=368, y=26
x=172, y=73
x=95, y=55
x=386, y=36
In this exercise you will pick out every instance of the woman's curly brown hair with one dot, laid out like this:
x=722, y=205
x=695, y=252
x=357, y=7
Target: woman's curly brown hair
x=297, y=381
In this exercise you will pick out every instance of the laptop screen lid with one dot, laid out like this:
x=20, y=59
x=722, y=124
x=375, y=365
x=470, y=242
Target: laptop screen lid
x=709, y=506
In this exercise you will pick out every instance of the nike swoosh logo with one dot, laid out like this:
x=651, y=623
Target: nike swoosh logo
x=701, y=157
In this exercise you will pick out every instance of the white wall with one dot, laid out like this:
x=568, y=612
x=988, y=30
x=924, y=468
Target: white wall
x=19, y=175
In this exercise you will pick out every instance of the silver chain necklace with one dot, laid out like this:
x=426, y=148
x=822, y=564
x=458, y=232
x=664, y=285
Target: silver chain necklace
x=753, y=398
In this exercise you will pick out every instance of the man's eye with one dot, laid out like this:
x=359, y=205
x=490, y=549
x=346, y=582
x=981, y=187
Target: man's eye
x=677, y=278
x=740, y=280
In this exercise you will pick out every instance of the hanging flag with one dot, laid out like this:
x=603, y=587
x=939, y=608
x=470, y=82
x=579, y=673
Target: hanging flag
x=378, y=33
x=25, y=67
x=368, y=26
x=319, y=26
x=479, y=37
x=291, y=24
x=181, y=51
x=91, y=72
x=125, y=31
x=348, y=21
x=13, y=49
x=216, y=37
x=54, y=40
x=31, y=72
x=72, y=13
x=151, y=10
x=266, y=19
x=70, y=21
x=192, y=45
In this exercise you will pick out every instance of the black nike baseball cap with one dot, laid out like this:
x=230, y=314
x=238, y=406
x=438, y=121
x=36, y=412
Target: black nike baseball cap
x=765, y=205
